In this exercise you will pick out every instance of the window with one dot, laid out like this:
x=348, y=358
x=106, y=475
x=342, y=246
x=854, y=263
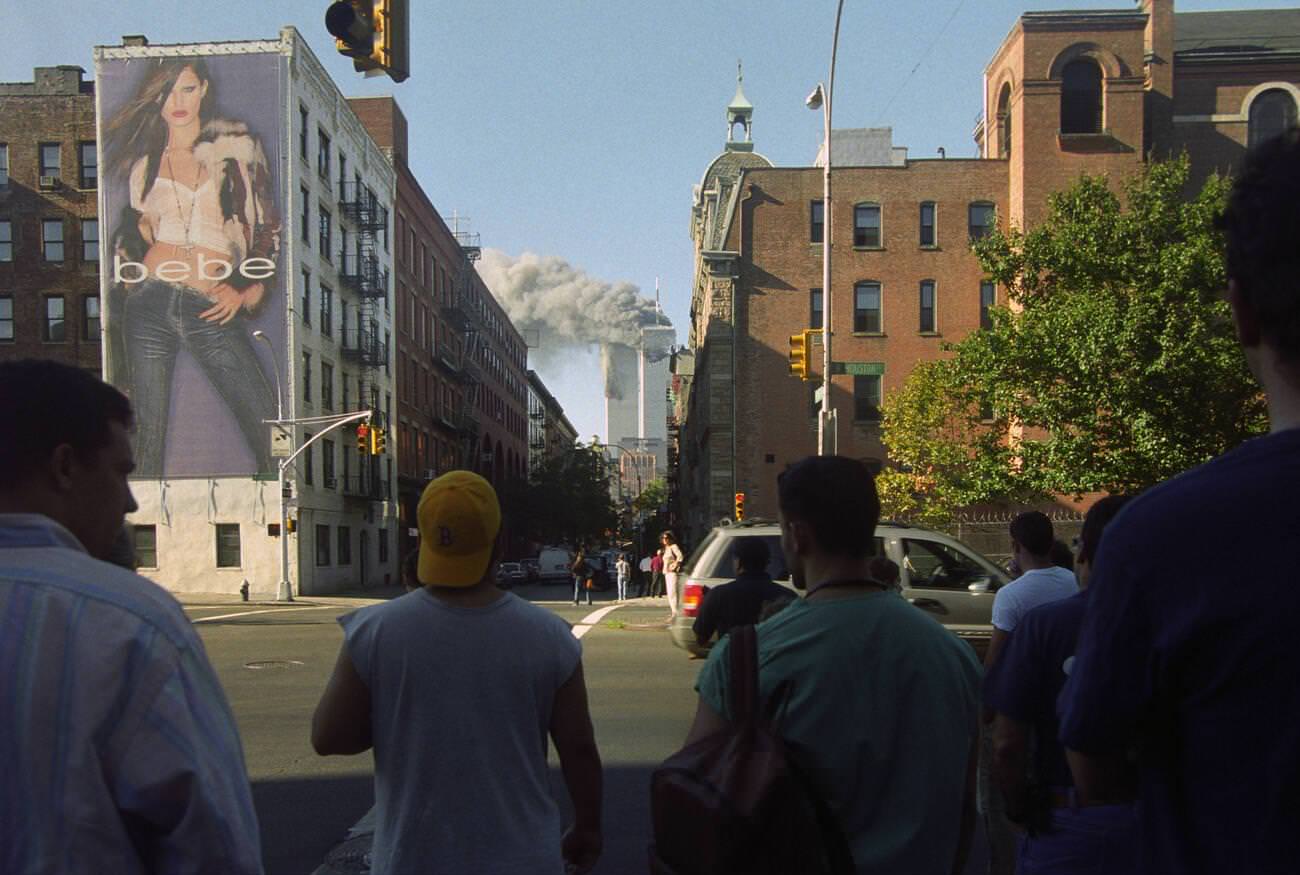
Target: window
x=323, y=155
x=6, y=240
x=1081, y=98
x=1271, y=113
x=90, y=318
x=815, y=308
x=866, y=397
x=4, y=166
x=347, y=393
x=306, y=377
x=6, y=318
x=1004, y=122
x=327, y=463
x=50, y=159
x=927, y=223
x=90, y=240
x=326, y=233
x=927, y=306
x=52, y=239
x=305, y=309
x=937, y=566
x=326, y=386
x=326, y=310
x=308, y=462
x=345, y=545
x=55, y=325
x=322, y=545
x=144, y=541
x=866, y=308
x=381, y=537
x=988, y=297
x=983, y=217
x=89, y=162
x=304, y=221
x=817, y=224
x=303, y=127
x=227, y=545
x=866, y=225
x=343, y=171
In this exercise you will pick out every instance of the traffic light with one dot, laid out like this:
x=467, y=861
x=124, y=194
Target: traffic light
x=378, y=440
x=740, y=506
x=375, y=34
x=363, y=438
x=799, y=355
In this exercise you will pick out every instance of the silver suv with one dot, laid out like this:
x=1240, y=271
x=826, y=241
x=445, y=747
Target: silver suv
x=940, y=575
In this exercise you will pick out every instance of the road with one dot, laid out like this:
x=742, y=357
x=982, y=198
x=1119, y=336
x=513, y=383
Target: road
x=274, y=660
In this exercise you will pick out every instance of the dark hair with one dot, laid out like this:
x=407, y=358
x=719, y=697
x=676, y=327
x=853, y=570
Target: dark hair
x=837, y=497
x=47, y=404
x=1033, y=531
x=752, y=554
x=1262, y=227
x=1098, y=517
x=669, y=536
x=1061, y=555
x=138, y=130
x=884, y=570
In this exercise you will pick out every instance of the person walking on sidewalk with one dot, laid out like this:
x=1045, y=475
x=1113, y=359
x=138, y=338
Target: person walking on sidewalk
x=673, y=560
x=657, y=573
x=456, y=687
x=119, y=751
x=581, y=570
x=622, y=571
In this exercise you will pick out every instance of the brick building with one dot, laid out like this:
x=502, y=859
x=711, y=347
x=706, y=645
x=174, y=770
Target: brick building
x=49, y=227
x=460, y=363
x=1067, y=93
x=550, y=434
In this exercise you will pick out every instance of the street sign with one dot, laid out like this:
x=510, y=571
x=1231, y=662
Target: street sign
x=281, y=442
x=859, y=369
x=817, y=394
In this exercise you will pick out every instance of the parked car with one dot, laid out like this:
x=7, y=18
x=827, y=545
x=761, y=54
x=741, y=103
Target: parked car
x=939, y=575
x=510, y=574
x=532, y=569
x=553, y=565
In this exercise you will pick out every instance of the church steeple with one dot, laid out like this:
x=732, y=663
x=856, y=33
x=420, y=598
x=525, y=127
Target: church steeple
x=740, y=112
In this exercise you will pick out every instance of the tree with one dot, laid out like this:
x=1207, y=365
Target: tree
x=1114, y=367
x=567, y=498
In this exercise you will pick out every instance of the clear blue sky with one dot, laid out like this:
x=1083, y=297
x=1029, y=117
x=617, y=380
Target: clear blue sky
x=576, y=128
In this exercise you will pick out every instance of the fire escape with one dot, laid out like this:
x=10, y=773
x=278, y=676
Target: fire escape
x=364, y=343
x=465, y=316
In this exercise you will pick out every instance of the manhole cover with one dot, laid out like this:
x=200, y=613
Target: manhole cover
x=274, y=663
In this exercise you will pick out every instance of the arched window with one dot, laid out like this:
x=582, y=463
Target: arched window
x=1081, y=98
x=1004, y=122
x=1271, y=113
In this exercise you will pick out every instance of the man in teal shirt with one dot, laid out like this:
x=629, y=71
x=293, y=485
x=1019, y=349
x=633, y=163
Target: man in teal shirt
x=884, y=704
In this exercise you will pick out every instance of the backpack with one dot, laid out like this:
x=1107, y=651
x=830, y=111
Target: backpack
x=735, y=803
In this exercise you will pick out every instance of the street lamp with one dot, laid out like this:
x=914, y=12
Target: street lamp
x=820, y=98
x=284, y=592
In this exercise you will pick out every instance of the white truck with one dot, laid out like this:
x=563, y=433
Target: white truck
x=553, y=565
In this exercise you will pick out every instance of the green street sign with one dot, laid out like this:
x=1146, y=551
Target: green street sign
x=859, y=369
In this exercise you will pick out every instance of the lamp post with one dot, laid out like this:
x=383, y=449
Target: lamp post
x=821, y=98
x=284, y=592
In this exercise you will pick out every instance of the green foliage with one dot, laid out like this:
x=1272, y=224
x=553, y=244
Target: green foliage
x=1114, y=368
x=652, y=497
x=567, y=499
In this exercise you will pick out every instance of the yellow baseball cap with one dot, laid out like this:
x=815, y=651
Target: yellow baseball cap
x=459, y=518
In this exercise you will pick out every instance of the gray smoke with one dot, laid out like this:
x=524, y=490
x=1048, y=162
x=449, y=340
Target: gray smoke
x=566, y=306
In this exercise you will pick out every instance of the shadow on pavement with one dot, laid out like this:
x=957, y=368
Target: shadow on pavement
x=302, y=819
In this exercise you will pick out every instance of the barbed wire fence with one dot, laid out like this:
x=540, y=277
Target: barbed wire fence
x=988, y=532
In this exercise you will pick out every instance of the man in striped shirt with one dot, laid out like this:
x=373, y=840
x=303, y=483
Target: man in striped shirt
x=118, y=750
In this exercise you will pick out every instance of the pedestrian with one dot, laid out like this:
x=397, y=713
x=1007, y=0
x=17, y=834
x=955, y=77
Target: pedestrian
x=581, y=570
x=657, y=573
x=1040, y=581
x=1062, y=833
x=456, y=687
x=644, y=577
x=622, y=571
x=743, y=600
x=673, y=560
x=1186, y=654
x=119, y=750
x=877, y=694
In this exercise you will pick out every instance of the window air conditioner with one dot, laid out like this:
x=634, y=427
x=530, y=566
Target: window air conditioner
x=49, y=182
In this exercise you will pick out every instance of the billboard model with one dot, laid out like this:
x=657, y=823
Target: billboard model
x=191, y=197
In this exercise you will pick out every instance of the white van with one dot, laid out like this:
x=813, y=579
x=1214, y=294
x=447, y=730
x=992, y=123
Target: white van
x=553, y=564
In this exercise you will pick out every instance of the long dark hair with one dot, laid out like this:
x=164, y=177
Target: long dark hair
x=138, y=129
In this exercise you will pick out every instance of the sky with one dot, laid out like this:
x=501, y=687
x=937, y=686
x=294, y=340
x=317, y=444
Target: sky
x=570, y=132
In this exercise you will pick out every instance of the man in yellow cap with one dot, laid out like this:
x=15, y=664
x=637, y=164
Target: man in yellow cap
x=456, y=686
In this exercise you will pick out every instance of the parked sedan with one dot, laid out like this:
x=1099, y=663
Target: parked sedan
x=511, y=574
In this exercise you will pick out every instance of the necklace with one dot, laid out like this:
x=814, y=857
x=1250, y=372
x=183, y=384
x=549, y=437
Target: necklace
x=188, y=245
x=850, y=581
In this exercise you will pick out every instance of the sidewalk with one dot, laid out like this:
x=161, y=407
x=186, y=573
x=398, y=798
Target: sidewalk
x=347, y=597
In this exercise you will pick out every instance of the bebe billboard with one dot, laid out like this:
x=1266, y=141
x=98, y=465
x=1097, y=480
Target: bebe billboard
x=195, y=255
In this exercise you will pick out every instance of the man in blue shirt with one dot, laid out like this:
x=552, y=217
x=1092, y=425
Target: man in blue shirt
x=1187, y=650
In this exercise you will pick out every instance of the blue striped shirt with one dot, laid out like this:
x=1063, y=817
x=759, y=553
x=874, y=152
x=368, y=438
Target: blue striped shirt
x=118, y=750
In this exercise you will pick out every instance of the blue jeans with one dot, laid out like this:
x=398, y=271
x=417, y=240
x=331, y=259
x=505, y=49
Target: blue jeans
x=1101, y=840
x=578, y=588
x=159, y=319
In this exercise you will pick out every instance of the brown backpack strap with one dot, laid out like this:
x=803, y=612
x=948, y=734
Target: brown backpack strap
x=744, y=674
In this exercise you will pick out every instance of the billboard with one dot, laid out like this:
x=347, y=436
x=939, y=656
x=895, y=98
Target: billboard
x=191, y=201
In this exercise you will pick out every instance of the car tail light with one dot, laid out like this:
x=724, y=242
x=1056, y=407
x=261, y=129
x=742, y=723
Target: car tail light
x=692, y=595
